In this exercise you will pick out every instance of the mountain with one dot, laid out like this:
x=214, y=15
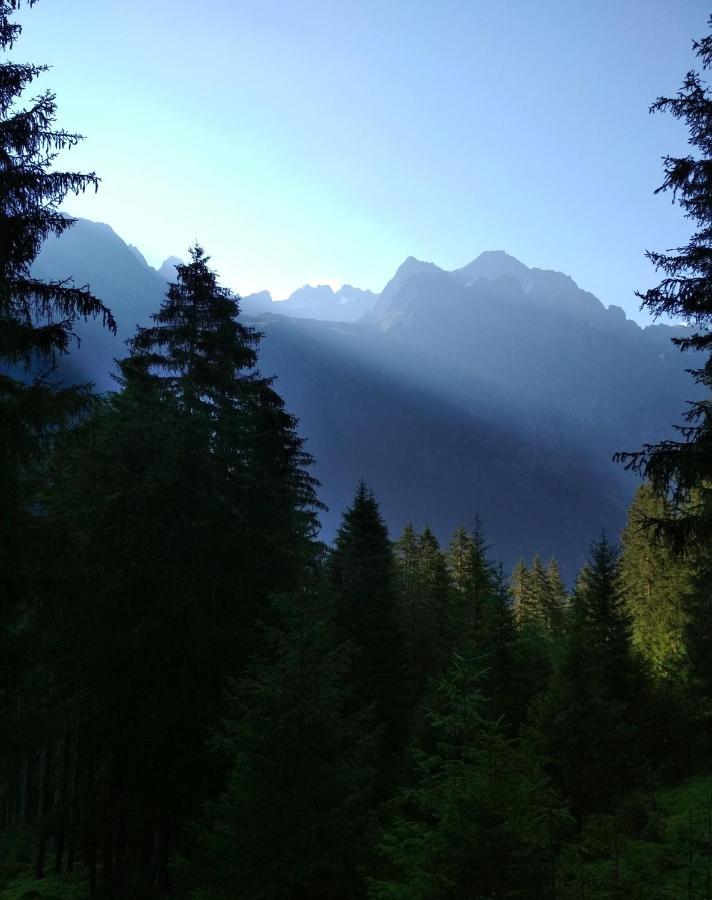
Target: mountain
x=495, y=390
x=167, y=268
x=490, y=265
x=553, y=353
x=348, y=304
x=387, y=300
x=93, y=254
x=256, y=304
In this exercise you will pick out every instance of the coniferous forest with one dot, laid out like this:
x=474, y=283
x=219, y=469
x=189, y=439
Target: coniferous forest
x=199, y=699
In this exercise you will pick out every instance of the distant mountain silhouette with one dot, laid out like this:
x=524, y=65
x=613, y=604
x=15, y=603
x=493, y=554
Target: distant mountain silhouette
x=93, y=254
x=168, y=267
x=548, y=349
x=490, y=265
x=494, y=390
x=348, y=304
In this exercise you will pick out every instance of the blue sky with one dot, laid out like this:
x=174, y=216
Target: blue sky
x=325, y=141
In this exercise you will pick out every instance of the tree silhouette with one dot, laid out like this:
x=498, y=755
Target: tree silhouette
x=36, y=317
x=683, y=467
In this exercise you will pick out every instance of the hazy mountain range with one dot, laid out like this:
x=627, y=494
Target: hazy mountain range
x=493, y=390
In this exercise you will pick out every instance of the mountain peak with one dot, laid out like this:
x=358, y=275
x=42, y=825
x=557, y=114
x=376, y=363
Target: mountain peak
x=409, y=268
x=168, y=267
x=491, y=264
x=412, y=264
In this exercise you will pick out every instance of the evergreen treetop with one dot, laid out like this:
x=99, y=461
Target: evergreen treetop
x=36, y=317
x=197, y=346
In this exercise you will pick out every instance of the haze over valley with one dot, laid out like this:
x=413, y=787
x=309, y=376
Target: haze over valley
x=495, y=390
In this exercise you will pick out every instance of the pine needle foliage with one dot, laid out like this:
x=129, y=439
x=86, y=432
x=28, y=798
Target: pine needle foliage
x=682, y=468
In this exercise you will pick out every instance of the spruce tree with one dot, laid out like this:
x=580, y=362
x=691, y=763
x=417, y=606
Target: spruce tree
x=362, y=576
x=503, y=655
x=683, y=468
x=162, y=505
x=658, y=586
x=437, y=627
x=36, y=317
x=204, y=357
x=480, y=583
x=587, y=721
x=537, y=645
x=407, y=572
x=525, y=610
x=557, y=594
x=463, y=561
x=197, y=346
x=459, y=558
x=425, y=609
x=37, y=320
x=292, y=819
x=480, y=820
x=539, y=595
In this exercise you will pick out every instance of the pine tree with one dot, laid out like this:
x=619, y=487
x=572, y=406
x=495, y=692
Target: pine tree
x=459, y=559
x=698, y=633
x=362, y=576
x=539, y=595
x=683, y=468
x=481, y=820
x=161, y=506
x=601, y=594
x=437, y=634
x=197, y=346
x=587, y=720
x=503, y=655
x=200, y=352
x=407, y=571
x=557, y=594
x=148, y=626
x=484, y=621
x=37, y=320
x=525, y=610
x=292, y=819
x=425, y=609
x=480, y=583
x=36, y=317
x=469, y=579
x=658, y=587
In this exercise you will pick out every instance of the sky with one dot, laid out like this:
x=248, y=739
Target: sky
x=325, y=141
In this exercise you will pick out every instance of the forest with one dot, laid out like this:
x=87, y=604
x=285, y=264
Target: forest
x=199, y=699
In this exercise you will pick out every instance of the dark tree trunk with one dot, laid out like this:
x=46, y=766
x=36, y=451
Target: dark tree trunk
x=73, y=801
x=62, y=779
x=41, y=826
x=23, y=790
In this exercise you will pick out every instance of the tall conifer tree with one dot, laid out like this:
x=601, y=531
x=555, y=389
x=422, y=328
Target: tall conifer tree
x=292, y=819
x=37, y=320
x=658, y=586
x=36, y=317
x=362, y=575
x=163, y=497
x=587, y=720
x=682, y=468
